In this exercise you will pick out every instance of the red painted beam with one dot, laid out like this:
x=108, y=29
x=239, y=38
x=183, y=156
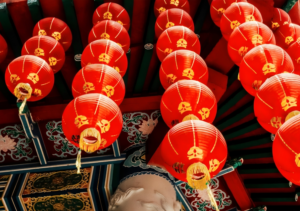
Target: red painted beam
x=48, y=112
x=238, y=190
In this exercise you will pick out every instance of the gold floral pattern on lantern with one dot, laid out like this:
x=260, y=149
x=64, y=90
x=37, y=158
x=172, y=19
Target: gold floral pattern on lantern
x=269, y=68
x=33, y=77
x=42, y=32
x=288, y=102
x=181, y=43
x=107, y=16
x=81, y=120
x=39, y=52
x=184, y=106
x=56, y=35
x=171, y=78
x=275, y=25
x=109, y=90
x=243, y=50
x=256, y=84
x=104, y=125
x=104, y=58
x=175, y=2
x=297, y=160
x=257, y=39
x=88, y=86
x=105, y=36
x=288, y=40
x=188, y=73
x=169, y=24
x=162, y=9
x=221, y=11
x=204, y=112
x=37, y=93
x=195, y=153
x=213, y=165
x=276, y=122
x=168, y=51
x=234, y=24
x=14, y=78
x=250, y=18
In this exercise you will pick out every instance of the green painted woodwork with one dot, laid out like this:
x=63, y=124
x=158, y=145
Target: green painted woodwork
x=258, y=168
x=62, y=87
x=231, y=101
x=154, y=87
x=72, y=23
x=289, y=5
x=59, y=203
x=273, y=197
x=4, y=90
x=125, y=77
x=248, y=142
x=202, y=12
x=267, y=183
x=147, y=55
x=233, y=75
x=35, y=10
x=116, y=176
x=241, y=129
x=12, y=36
x=253, y=153
x=236, y=116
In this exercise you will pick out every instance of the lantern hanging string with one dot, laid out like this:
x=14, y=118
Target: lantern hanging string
x=21, y=109
x=78, y=161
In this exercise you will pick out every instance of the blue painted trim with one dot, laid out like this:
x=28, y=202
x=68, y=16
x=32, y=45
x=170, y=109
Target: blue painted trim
x=60, y=165
x=17, y=192
x=116, y=149
x=32, y=131
x=93, y=188
x=106, y=184
x=6, y=197
x=181, y=197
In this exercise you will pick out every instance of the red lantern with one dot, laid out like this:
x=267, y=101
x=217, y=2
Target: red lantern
x=277, y=100
x=235, y=15
x=112, y=11
x=99, y=78
x=163, y=5
x=218, y=7
x=3, y=49
x=55, y=28
x=46, y=48
x=188, y=100
x=29, y=77
x=287, y=35
x=280, y=18
x=247, y=36
x=176, y=38
x=193, y=144
x=92, y=122
x=261, y=63
x=286, y=149
x=182, y=65
x=173, y=17
x=110, y=30
x=294, y=52
x=105, y=52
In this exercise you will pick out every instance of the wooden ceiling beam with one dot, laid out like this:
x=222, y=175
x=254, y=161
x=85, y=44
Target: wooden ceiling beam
x=248, y=142
x=258, y=169
x=267, y=183
x=253, y=153
x=241, y=129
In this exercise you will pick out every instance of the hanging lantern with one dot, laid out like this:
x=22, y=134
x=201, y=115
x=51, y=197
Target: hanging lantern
x=176, y=38
x=182, y=65
x=112, y=11
x=92, y=122
x=163, y=5
x=55, y=28
x=280, y=18
x=105, y=52
x=286, y=149
x=110, y=30
x=188, y=100
x=46, y=48
x=29, y=77
x=287, y=35
x=277, y=100
x=218, y=7
x=249, y=35
x=194, y=152
x=263, y=62
x=235, y=15
x=173, y=17
x=294, y=52
x=3, y=49
x=99, y=78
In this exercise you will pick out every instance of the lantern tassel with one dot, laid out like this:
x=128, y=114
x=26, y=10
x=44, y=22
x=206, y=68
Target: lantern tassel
x=212, y=198
x=21, y=109
x=78, y=162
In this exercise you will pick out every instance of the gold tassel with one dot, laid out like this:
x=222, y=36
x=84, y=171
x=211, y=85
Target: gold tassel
x=78, y=162
x=22, y=106
x=212, y=198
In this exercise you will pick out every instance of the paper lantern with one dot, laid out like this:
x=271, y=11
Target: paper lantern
x=105, y=52
x=92, y=122
x=287, y=35
x=182, y=65
x=277, y=100
x=163, y=5
x=55, y=28
x=247, y=36
x=176, y=38
x=3, y=49
x=186, y=100
x=294, y=52
x=112, y=11
x=193, y=144
x=46, y=48
x=99, y=78
x=218, y=7
x=29, y=77
x=263, y=62
x=286, y=149
x=110, y=30
x=173, y=17
x=280, y=18
x=235, y=15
